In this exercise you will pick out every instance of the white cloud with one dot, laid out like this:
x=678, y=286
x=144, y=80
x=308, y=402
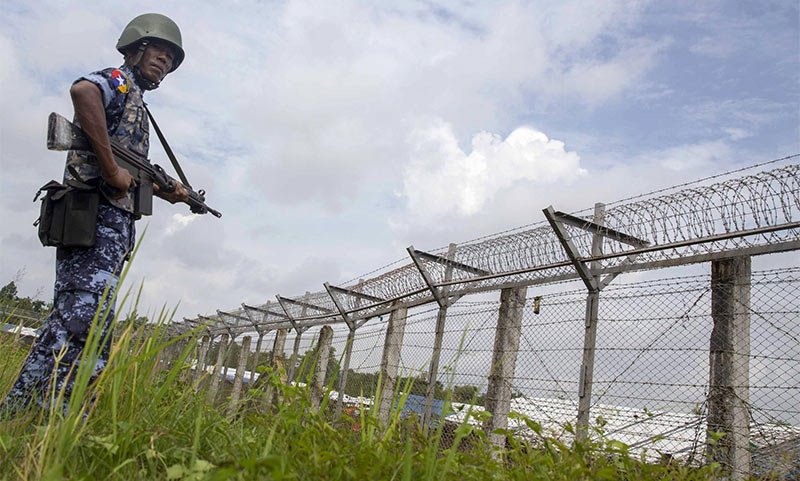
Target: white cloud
x=597, y=81
x=735, y=133
x=301, y=120
x=180, y=221
x=441, y=179
x=339, y=86
x=694, y=156
x=718, y=47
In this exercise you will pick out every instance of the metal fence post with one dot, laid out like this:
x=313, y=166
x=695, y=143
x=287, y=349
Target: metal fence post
x=348, y=351
x=586, y=377
x=728, y=395
x=323, y=354
x=290, y=372
x=433, y=371
x=390, y=362
x=238, y=378
x=257, y=354
x=504, y=361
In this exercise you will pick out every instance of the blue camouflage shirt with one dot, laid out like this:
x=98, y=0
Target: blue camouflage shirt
x=126, y=120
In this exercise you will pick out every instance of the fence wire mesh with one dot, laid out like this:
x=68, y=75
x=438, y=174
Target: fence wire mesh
x=757, y=212
x=665, y=364
x=651, y=376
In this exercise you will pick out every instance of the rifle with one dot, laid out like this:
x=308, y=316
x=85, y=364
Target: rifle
x=64, y=135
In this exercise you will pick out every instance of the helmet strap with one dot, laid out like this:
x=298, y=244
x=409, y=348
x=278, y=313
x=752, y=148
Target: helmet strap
x=133, y=62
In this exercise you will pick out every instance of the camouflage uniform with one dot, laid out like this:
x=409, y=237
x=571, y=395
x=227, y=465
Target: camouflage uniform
x=82, y=274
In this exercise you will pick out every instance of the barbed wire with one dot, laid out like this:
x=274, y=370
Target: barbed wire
x=652, y=350
x=695, y=221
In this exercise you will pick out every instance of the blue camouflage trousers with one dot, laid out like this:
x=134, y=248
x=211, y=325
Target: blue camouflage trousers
x=82, y=275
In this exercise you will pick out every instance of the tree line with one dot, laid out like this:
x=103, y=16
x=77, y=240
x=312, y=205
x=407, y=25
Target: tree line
x=26, y=311
x=358, y=383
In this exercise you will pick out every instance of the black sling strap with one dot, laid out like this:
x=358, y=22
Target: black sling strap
x=168, y=150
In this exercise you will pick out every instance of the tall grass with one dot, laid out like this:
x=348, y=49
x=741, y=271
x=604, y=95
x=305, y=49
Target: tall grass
x=144, y=418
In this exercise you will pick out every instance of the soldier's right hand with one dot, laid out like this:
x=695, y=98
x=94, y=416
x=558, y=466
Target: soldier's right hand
x=121, y=180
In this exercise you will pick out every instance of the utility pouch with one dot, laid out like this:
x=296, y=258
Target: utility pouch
x=68, y=215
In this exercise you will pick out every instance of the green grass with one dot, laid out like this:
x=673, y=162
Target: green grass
x=145, y=419
x=147, y=423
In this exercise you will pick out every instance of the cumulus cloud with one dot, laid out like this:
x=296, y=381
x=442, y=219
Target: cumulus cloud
x=595, y=82
x=735, y=133
x=301, y=120
x=179, y=221
x=714, y=46
x=340, y=85
x=441, y=179
x=694, y=156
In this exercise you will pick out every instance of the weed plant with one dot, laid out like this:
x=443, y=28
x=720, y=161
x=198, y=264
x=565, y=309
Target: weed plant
x=145, y=418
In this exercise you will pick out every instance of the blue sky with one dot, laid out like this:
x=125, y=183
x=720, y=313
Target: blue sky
x=334, y=136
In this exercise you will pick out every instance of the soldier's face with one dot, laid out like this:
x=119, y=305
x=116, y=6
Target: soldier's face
x=156, y=61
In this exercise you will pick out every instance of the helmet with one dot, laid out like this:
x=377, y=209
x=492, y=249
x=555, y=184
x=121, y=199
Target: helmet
x=152, y=25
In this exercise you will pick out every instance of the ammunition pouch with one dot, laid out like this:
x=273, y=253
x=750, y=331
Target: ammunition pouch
x=68, y=215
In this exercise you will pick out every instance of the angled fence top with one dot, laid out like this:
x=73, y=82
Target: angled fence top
x=751, y=214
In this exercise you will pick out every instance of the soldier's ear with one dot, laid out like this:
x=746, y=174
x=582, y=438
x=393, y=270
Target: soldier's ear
x=132, y=54
x=128, y=57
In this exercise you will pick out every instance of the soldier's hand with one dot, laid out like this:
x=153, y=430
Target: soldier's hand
x=180, y=194
x=121, y=181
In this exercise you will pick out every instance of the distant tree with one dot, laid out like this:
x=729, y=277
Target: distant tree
x=465, y=394
x=361, y=383
x=8, y=292
x=304, y=367
x=419, y=385
x=21, y=310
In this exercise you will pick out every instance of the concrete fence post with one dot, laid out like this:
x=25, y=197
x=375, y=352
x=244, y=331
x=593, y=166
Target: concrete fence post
x=290, y=369
x=390, y=363
x=586, y=375
x=218, y=367
x=504, y=361
x=187, y=374
x=200, y=365
x=168, y=354
x=591, y=320
x=257, y=354
x=321, y=367
x=348, y=352
x=238, y=378
x=277, y=358
x=276, y=362
x=729, y=374
x=441, y=317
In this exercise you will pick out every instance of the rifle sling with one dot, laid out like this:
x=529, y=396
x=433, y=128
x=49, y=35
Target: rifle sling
x=167, y=149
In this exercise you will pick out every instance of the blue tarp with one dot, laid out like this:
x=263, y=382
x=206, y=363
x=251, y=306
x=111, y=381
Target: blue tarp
x=416, y=404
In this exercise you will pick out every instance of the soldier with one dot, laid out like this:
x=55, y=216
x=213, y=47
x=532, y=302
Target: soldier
x=108, y=105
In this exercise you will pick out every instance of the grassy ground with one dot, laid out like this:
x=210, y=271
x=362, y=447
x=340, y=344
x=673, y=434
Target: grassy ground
x=148, y=423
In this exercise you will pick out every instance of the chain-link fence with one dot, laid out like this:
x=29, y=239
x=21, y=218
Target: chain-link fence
x=682, y=368
x=652, y=368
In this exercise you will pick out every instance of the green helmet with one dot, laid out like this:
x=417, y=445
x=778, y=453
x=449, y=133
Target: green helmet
x=152, y=25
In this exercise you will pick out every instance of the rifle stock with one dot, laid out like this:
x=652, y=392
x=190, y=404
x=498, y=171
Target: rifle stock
x=64, y=135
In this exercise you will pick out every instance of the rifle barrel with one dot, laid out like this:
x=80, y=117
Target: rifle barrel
x=64, y=135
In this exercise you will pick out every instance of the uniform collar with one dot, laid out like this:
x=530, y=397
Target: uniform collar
x=134, y=74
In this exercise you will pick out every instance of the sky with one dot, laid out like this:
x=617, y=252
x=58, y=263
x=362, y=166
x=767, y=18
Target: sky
x=332, y=135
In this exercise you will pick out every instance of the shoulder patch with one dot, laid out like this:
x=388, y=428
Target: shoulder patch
x=120, y=81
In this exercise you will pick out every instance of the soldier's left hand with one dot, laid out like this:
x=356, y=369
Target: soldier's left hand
x=180, y=194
